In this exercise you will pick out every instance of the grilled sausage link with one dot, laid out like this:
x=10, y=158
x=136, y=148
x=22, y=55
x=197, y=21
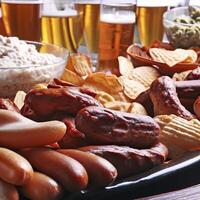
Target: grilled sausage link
x=105, y=126
x=129, y=161
x=44, y=103
x=165, y=99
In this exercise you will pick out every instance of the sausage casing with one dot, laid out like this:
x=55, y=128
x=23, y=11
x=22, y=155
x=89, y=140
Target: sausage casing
x=42, y=187
x=105, y=126
x=129, y=161
x=100, y=171
x=14, y=168
x=67, y=171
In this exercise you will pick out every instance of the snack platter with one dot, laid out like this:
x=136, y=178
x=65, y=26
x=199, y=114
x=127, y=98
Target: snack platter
x=93, y=135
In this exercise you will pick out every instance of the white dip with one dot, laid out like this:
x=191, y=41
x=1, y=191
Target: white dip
x=22, y=66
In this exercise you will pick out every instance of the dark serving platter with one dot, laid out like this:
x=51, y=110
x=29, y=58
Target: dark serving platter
x=174, y=174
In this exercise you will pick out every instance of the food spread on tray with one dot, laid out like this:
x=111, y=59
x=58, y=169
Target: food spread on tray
x=88, y=129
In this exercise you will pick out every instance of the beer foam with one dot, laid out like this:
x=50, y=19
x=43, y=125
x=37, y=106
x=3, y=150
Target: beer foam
x=153, y=3
x=60, y=13
x=118, y=18
x=88, y=2
x=22, y=2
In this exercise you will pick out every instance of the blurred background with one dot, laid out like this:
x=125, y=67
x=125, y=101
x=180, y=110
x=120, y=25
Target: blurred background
x=102, y=29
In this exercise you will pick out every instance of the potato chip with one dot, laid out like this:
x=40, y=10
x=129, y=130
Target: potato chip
x=145, y=75
x=137, y=108
x=181, y=76
x=172, y=58
x=132, y=88
x=40, y=86
x=125, y=66
x=120, y=96
x=102, y=82
x=79, y=63
x=72, y=77
x=104, y=97
x=19, y=99
x=117, y=105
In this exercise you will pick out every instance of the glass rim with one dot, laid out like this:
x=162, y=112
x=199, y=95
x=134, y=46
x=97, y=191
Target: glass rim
x=23, y=1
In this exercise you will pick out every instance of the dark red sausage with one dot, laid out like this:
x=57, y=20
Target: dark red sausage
x=129, y=161
x=105, y=126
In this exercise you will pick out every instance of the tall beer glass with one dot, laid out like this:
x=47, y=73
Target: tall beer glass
x=117, y=19
x=91, y=9
x=62, y=27
x=149, y=18
x=22, y=18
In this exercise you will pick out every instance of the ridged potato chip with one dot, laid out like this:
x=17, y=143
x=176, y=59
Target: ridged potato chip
x=79, y=63
x=137, y=108
x=172, y=58
x=19, y=99
x=72, y=77
x=125, y=66
x=118, y=105
x=178, y=134
x=104, y=97
x=145, y=75
x=132, y=88
x=102, y=82
x=181, y=76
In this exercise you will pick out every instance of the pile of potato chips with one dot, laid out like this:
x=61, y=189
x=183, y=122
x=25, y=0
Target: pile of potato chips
x=117, y=93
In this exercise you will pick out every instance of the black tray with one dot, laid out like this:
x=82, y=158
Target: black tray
x=175, y=174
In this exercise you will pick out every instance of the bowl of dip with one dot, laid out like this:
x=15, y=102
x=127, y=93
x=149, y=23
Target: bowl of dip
x=23, y=64
x=182, y=26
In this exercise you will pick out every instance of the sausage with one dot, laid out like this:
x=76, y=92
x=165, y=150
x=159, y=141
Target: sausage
x=8, y=191
x=165, y=99
x=72, y=138
x=67, y=171
x=42, y=187
x=18, y=132
x=129, y=161
x=14, y=168
x=42, y=104
x=101, y=172
x=105, y=126
x=194, y=74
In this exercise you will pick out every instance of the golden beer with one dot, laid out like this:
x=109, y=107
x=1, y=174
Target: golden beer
x=91, y=24
x=116, y=34
x=22, y=19
x=150, y=25
x=63, y=28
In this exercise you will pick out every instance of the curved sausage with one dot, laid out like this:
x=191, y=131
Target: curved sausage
x=67, y=171
x=165, y=99
x=8, y=191
x=18, y=132
x=42, y=187
x=42, y=104
x=129, y=161
x=105, y=126
x=101, y=172
x=14, y=168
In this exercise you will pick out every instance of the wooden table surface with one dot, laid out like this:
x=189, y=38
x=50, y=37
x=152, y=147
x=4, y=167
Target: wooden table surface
x=191, y=193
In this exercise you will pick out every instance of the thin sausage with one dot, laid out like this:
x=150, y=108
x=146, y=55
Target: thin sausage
x=100, y=171
x=14, y=168
x=8, y=191
x=17, y=131
x=42, y=187
x=67, y=171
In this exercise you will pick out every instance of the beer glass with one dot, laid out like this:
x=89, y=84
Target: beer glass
x=91, y=9
x=62, y=27
x=149, y=20
x=117, y=19
x=22, y=18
